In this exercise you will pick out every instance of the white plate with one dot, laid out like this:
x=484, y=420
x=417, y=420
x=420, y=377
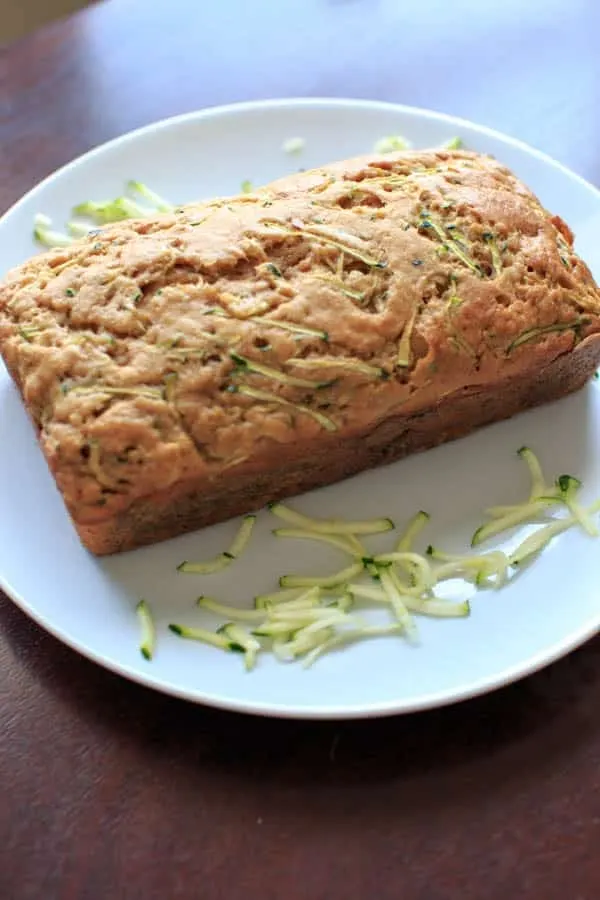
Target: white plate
x=89, y=603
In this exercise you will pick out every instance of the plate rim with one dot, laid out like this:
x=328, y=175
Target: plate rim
x=437, y=699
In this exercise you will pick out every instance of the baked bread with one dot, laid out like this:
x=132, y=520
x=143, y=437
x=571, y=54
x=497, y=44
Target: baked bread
x=184, y=369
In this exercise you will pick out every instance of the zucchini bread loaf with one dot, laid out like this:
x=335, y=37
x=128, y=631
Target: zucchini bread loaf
x=184, y=369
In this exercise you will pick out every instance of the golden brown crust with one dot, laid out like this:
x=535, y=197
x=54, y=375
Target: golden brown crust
x=188, y=507
x=184, y=369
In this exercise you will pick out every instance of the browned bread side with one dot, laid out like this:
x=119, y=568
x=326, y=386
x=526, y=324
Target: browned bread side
x=185, y=369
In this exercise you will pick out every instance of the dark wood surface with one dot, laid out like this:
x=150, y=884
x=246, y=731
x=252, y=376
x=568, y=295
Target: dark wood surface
x=111, y=792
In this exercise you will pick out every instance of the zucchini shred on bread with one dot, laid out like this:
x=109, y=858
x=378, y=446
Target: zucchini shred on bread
x=187, y=368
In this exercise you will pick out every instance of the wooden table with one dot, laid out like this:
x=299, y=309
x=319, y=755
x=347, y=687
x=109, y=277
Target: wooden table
x=111, y=792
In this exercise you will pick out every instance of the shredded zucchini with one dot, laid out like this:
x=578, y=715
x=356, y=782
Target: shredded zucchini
x=316, y=233
x=248, y=365
x=206, y=637
x=304, y=600
x=151, y=393
x=568, y=487
x=148, y=639
x=403, y=360
x=230, y=612
x=46, y=235
x=78, y=229
x=538, y=482
x=367, y=592
x=100, y=213
x=151, y=196
x=448, y=241
x=350, y=365
x=293, y=145
x=266, y=397
x=396, y=600
x=109, y=211
x=540, y=539
x=350, y=636
x=330, y=526
x=238, y=638
x=326, y=581
x=262, y=601
x=224, y=559
x=390, y=144
x=299, y=330
x=519, y=516
x=312, y=615
x=414, y=527
x=486, y=570
x=440, y=609
x=531, y=334
x=304, y=534
x=541, y=498
x=428, y=606
x=416, y=564
x=308, y=615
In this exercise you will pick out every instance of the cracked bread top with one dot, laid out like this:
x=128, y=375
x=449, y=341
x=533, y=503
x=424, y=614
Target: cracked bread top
x=231, y=332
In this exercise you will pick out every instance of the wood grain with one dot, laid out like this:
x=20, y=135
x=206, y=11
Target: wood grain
x=112, y=791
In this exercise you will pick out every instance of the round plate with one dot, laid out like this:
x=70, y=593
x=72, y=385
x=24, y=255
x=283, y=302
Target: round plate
x=89, y=603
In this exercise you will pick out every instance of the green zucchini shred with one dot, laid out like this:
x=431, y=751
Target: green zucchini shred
x=311, y=616
x=148, y=630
